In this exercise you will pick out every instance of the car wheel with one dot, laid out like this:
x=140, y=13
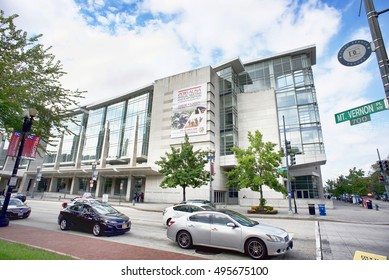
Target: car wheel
x=96, y=230
x=63, y=224
x=184, y=239
x=256, y=249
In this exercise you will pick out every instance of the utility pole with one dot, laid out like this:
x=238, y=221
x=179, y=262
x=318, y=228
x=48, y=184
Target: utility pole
x=378, y=44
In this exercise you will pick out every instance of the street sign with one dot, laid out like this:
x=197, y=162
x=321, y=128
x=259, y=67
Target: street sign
x=361, y=111
x=354, y=53
x=360, y=120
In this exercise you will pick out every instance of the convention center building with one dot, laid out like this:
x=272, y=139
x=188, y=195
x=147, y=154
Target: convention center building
x=113, y=150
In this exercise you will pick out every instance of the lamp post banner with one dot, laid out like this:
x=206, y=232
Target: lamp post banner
x=14, y=144
x=31, y=146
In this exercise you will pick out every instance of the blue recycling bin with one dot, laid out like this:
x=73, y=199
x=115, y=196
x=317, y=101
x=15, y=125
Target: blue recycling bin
x=322, y=209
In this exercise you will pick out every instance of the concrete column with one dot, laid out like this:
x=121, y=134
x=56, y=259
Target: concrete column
x=75, y=186
x=59, y=153
x=53, y=184
x=80, y=148
x=104, y=152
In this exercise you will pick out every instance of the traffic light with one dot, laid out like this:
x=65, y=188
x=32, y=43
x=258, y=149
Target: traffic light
x=380, y=164
x=292, y=159
x=288, y=147
x=381, y=178
x=384, y=165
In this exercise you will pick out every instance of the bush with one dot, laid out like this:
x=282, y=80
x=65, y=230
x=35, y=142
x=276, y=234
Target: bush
x=262, y=210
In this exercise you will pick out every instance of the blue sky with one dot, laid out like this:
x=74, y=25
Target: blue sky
x=112, y=47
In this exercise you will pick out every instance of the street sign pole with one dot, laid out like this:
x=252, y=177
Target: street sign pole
x=379, y=46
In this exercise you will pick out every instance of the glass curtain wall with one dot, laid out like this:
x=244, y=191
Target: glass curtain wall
x=292, y=79
x=229, y=88
x=94, y=134
x=69, y=145
x=137, y=107
x=115, y=117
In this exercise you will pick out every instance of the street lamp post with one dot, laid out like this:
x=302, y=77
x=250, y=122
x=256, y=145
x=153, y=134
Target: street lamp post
x=27, y=124
x=211, y=159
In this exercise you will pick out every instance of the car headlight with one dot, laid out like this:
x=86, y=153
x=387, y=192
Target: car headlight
x=274, y=238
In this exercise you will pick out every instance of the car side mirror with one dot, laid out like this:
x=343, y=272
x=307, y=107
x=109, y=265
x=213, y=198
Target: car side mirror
x=232, y=225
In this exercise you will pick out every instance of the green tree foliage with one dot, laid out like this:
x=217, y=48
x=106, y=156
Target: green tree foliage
x=354, y=183
x=183, y=167
x=29, y=78
x=257, y=166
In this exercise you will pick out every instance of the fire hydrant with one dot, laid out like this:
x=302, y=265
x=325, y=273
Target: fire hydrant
x=376, y=207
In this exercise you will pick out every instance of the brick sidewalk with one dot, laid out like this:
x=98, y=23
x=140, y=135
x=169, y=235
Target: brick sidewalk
x=85, y=248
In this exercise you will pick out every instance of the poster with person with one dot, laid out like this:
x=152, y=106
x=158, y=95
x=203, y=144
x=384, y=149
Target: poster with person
x=189, y=112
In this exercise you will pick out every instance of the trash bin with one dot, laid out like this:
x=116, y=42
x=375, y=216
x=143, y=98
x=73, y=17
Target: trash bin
x=369, y=204
x=105, y=198
x=322, y=209
x=311, y=208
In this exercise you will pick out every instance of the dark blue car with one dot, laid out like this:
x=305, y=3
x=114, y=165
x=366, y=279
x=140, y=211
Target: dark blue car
x=98, y=218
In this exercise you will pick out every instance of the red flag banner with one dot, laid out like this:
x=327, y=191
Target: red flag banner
x=13, y=146
x=31, y=144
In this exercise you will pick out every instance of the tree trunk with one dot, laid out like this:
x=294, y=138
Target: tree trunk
x=184, y=193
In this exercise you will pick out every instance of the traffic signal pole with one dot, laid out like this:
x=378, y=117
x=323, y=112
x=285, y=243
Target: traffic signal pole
x=287, y=171
x=378, y=44
x=386, y=183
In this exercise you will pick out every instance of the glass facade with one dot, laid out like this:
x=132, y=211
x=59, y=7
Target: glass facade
x=121, y=117
x=229, y=88
x=292, y=79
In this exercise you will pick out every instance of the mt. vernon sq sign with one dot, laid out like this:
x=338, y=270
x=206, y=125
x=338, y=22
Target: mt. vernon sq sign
x=354, y=53
x=361, y=111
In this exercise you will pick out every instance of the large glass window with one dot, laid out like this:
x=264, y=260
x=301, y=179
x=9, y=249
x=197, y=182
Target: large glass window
x=115, y=115
x=137, y=108
x=71, y=140
x=94, y=135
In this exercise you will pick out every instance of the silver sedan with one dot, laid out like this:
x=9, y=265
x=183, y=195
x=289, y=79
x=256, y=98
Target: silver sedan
x=226, y=229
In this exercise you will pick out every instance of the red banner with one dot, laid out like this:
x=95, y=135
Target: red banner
x=31, y=144
x=13, y=146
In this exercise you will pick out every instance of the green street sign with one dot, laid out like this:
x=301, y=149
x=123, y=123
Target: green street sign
x=361, y=111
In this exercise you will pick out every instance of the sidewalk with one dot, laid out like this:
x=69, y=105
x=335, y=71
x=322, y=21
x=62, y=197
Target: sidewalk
x=342, y=212
x=104, y=249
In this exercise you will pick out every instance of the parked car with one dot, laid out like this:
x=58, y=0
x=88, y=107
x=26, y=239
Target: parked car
x=226, y=229
x=17, y=209
x=198, y=201
x=20, y=196
x=182, y=209
x=98, y=218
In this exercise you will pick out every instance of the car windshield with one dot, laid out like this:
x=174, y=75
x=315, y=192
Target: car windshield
x=241, y=219
x=104, y=209
x=16, y=202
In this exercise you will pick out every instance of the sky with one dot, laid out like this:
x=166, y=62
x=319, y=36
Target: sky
x=112, y=47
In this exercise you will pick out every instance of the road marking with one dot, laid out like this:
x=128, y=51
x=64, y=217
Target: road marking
x=319, y=255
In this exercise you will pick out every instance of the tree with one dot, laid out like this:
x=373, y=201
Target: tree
x=183, y=168
x=257, y=166
x=29, y=78
x=353, y=183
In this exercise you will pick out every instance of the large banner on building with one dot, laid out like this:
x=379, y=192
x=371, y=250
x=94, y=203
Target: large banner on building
x=189, y=113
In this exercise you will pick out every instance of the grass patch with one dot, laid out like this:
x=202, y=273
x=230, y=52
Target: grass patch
x=16, y=251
